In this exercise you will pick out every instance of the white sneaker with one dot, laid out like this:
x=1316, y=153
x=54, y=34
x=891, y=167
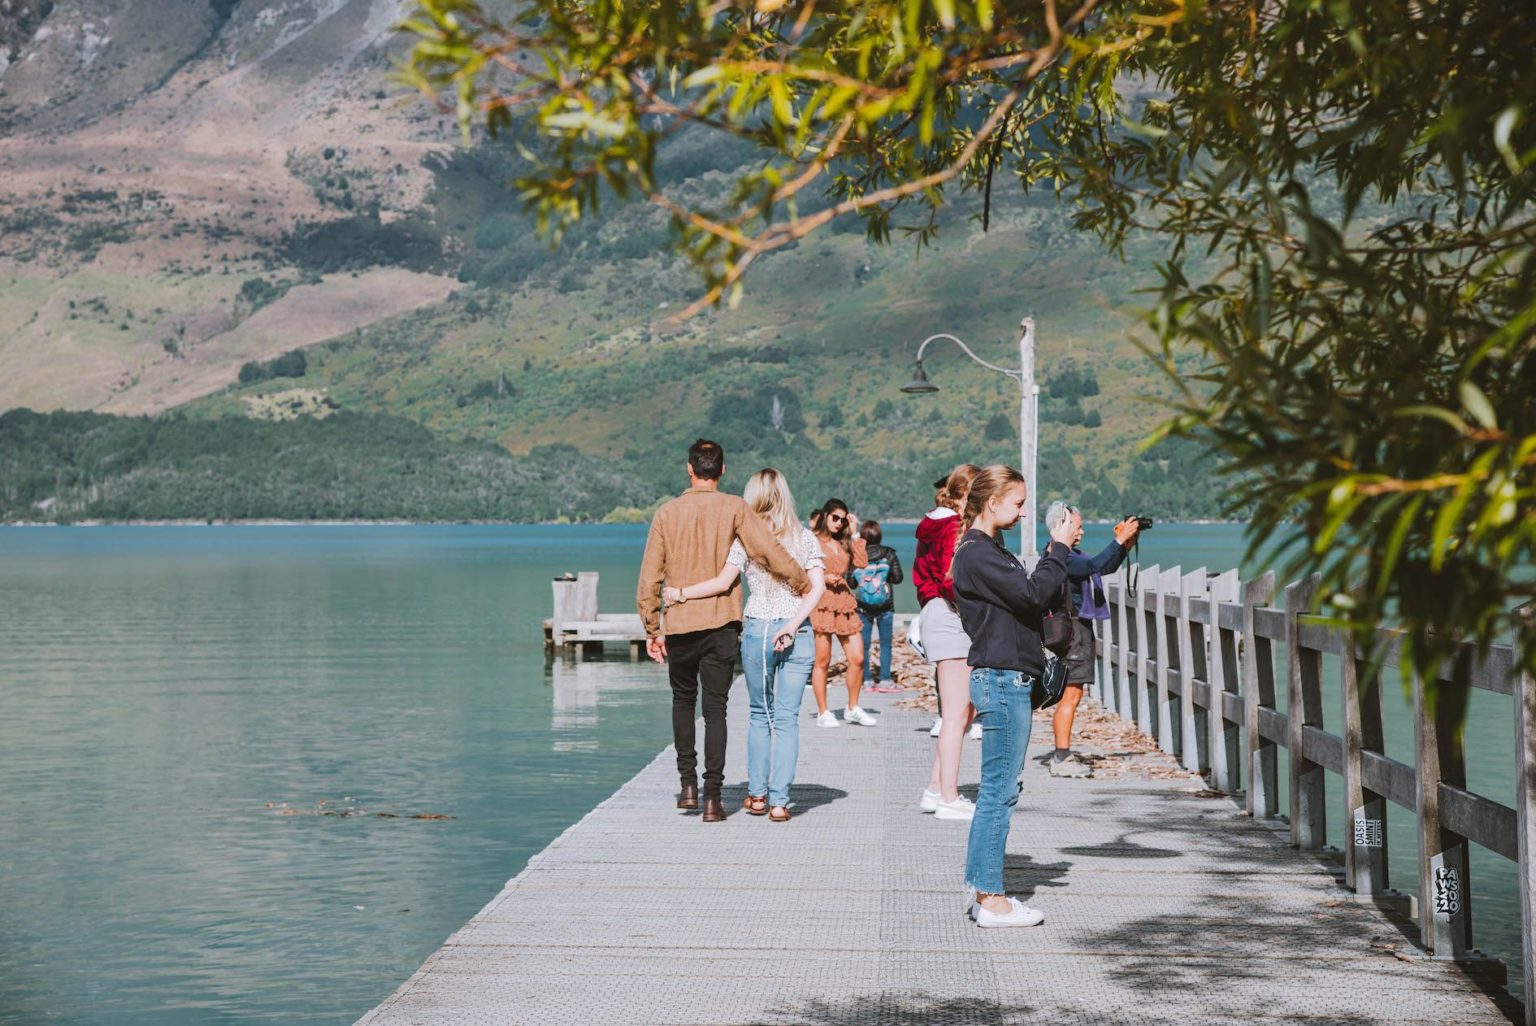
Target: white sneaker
x=961, y=808
x=828, y=719
x=859, y=716
x=975, y=732
x=1021, y=915
x=938, y=724
x=930, y=800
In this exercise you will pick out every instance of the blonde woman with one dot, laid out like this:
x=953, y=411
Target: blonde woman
x=777, y=648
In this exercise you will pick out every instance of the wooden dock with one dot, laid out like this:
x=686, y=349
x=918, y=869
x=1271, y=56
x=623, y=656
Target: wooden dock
x=1164, y=903
x=578, y=630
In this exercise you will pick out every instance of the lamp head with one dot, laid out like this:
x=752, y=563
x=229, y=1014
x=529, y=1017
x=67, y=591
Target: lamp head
x=919, y=385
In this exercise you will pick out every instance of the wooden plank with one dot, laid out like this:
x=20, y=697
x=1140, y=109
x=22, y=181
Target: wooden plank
x=1146, y=650
x=1389, y=778
x=1322, y=749
x=1193, y=752
x=1124, y=622
x=1480, y=820
x=1445, y=913
x=1274, y=726
x=1495, y=672
x=1304, y=708
x=1263, y=793
x=1269, y=622
x=1169, y=586
x=1365, y=810
x=1525, y=805
x=1222, y=726
x=1105, y=631
x=1321, y=638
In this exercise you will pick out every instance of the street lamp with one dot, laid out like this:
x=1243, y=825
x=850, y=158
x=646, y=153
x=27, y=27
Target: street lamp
x=1029, y=412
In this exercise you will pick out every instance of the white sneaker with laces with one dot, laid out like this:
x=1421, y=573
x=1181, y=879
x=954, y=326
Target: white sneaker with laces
x=938, y=723
x=859, y=716
x=1020, y=915
x=961, y=808
x=975, y=732
x=930, y=800
x=828, y=719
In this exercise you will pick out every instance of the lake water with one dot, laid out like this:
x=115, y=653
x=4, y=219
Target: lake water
x=177, y=702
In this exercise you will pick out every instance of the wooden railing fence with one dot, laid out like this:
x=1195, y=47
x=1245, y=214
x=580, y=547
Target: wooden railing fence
x=1192, y=659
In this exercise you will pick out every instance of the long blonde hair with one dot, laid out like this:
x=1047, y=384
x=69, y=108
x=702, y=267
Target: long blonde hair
x=767, y=494
x=956, y=486
x=985, y=486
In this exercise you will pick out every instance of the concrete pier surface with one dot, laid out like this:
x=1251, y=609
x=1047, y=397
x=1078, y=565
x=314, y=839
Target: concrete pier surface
x=1164, y=904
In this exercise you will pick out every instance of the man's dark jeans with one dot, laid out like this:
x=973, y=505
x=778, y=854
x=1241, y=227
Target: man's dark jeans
x=706, y=658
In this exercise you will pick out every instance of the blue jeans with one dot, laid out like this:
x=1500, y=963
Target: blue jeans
x=881, y=620
x=1002, y=701
x=775, y=685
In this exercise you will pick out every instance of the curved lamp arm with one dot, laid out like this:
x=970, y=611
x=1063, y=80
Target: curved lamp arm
x=1018, y=375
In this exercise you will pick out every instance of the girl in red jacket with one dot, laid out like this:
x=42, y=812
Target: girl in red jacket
x=944, y=640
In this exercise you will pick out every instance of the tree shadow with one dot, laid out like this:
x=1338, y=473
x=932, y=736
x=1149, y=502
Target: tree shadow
x=1123, y=847
x=1023, y=877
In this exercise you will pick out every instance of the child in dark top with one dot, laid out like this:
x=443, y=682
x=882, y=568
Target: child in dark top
x=872, y=586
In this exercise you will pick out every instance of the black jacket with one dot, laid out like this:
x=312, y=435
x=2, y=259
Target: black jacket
x=877, y=553
x=1001, y=605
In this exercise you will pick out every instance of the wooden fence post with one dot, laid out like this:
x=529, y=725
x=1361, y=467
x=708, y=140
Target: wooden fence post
x=1525, y=803
x=1259, y=691
x=1193, y=665
x=1445, y=893
x=1125, y=624
x=1365, y=811
x=1304, y=708
x=1146, y=651
x=1106, y=635
x=1222, y=674
x=1168, y=585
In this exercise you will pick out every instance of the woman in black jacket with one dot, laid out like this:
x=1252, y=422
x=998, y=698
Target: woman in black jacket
x=1001, y=606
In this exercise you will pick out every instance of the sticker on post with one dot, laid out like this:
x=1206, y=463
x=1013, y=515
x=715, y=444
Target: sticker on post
x=1447, y=891
x=1367, y=833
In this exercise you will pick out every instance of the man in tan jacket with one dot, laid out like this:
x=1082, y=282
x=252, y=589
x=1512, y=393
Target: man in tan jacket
x=689, y=539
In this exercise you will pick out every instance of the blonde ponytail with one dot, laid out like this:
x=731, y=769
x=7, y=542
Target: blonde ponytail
x=985, y=486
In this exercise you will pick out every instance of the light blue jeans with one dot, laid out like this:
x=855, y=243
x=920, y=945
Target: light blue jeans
x=1002, y=701
x=775, y=685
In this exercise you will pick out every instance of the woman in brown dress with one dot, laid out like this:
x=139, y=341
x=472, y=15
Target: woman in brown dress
x=837, y=614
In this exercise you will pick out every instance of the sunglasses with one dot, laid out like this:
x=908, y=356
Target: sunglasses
x=836, y=518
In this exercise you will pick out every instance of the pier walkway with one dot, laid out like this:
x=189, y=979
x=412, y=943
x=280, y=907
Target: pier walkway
x=1164, y=905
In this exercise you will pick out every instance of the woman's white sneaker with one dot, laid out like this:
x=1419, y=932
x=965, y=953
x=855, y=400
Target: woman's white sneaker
x=1020, y=915
x=938, y=724
x=828, y=719
x=859, y=716
x=930, y=800
x=975, y=732
x=961, y=808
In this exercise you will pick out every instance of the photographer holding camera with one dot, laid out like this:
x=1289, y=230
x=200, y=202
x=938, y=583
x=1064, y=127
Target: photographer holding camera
x=1087, y=588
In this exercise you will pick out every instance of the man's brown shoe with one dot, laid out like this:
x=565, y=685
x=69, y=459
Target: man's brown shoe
x=714, y=811
x=688, y=797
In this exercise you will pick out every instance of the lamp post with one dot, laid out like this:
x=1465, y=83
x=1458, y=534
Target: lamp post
x=1029, y=413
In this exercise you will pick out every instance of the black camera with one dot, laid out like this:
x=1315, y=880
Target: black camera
x=1142, y=523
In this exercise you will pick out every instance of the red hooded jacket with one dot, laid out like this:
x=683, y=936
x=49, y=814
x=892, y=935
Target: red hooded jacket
x=936, y=536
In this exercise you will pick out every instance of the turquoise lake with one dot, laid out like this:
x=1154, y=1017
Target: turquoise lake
x=177, y=703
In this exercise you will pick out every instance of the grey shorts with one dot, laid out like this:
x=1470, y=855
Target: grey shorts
x=943, y=636
x=1080, y=656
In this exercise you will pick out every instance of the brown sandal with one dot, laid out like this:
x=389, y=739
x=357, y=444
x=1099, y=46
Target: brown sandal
x=755, y=804
x=778, y=814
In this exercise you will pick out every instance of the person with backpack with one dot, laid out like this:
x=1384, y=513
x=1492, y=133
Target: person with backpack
x=873, y=590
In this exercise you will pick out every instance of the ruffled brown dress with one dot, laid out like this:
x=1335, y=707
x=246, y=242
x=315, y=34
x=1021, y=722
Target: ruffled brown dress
x=838, y=611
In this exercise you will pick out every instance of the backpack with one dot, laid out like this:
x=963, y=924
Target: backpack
x=870, y=586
